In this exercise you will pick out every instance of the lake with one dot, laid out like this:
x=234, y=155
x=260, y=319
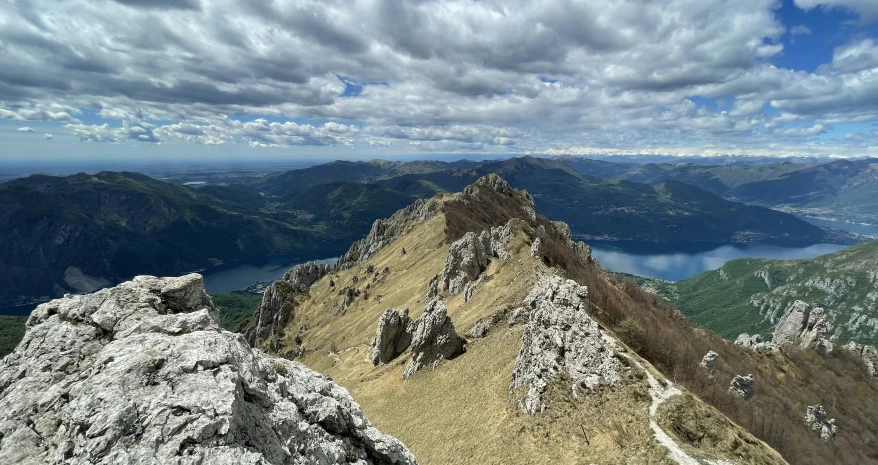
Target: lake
x=231, y=276
x=239, y=274
x=679, y=261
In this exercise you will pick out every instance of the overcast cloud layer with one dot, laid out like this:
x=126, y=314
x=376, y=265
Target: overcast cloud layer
x=559, y=76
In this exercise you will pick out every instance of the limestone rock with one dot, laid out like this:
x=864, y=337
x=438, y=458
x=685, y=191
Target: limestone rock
x=709, y=362
x=494, y=182
x=468, y=292
x=868, y=354
x=743, y=386
x=465, y=262
x=560, y=337
x=276, y=308
x=433, y=338
x=497, y=239
x=816, y=418
x=805, y=327
x=536, y=249
x=582, y=251
x=387, y=230
x=392, y=337
x=756, y=343
x=433, y=287
x=142, y=373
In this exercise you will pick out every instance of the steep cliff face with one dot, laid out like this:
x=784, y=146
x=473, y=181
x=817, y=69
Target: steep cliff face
x=143, y=373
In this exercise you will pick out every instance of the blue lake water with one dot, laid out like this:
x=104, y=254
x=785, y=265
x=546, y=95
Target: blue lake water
x=678, y=261
x=240, y=274
x=231, y=276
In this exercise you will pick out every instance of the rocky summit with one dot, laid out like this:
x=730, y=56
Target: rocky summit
x=142, y=373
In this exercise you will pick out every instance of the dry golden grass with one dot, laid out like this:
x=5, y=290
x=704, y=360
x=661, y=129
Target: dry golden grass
x=462, y=412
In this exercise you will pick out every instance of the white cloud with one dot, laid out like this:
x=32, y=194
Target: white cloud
x=25, y=129
x=867, y=8
x=800, y=30
x=49, y=136
x=448, y=75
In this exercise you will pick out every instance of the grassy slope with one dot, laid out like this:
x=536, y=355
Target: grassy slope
x=462, y=412
x=720, y=300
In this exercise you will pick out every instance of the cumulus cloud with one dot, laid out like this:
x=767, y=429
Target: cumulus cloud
x=445, y=75
x=25, y=129
x=49, y=136
x=867, y=8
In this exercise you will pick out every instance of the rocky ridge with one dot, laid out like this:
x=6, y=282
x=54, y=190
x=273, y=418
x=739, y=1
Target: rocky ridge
x=276, y=308
x=143, y=373
x=804, y=326
x=385, y=231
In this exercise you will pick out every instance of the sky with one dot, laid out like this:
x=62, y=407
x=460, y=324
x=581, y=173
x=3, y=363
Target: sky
x=281, y=79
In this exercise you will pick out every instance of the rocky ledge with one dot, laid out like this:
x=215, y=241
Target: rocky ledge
x=143, y=373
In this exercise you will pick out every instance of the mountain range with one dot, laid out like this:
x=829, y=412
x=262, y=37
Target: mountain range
x=841, y=189
x=82, y=232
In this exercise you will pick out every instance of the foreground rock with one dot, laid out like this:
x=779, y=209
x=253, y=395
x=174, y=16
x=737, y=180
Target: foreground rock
x=868, y=354
x=433, y=339
x=804, y=326
x=276, y=308
x=142, y=373
x=392, y=337
x=561, y=338
x=819, y=422
x=743, y=386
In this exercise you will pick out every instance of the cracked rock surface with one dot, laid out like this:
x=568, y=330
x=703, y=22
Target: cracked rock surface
x=142, y=373
x=561, y=338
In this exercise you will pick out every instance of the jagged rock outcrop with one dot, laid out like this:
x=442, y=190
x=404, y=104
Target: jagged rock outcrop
x=468, y=256
x=805, y=327
x=465, y=262
x=494, y=182
x=497, y=239
x=867, y=353
x=536, y=249
x=582, y=251
x=387, y=230
x=819, y=422
x=560, y=337
x=276, y=308
x=468, y=292
x=433, y=338
x=433, y=287
x=743, y=386
x=709, y=362
x=755, y=342
x=142, y=373
x=392, y=337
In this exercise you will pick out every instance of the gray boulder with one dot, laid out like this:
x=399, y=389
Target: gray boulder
x=142, y=373
x=392, y=337
x=469, y=291
x=804, y=326
x=433, y=338
x=582, y=251
x=868, y=354
x=818, y=420
x=755, y=343
x=743, y=386
x=709, y=362
x=560, y=337
x=536, y=249
x=465, y=262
